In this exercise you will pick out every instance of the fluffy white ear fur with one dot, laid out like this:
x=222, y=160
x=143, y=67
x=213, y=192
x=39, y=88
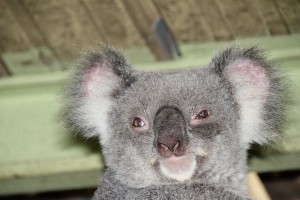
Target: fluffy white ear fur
x=98, y=84
x=251, y=87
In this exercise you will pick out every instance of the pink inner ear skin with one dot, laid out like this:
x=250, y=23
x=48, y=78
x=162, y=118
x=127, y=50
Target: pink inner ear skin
x=252, y=76
x=93, y=77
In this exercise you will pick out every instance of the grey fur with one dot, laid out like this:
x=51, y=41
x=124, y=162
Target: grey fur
x=218, y=144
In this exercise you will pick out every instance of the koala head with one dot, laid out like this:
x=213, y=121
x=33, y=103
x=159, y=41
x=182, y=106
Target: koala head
x=180, y=126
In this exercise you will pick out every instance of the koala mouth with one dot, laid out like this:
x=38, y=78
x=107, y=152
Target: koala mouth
x=180, y=168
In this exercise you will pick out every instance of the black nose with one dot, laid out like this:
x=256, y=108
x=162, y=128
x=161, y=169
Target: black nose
x=170, y=127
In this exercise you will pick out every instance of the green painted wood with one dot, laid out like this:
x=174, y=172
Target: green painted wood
x=34, y=147
x=50, y=182
x=276, y=162
x=33, y=61
x=37, y=154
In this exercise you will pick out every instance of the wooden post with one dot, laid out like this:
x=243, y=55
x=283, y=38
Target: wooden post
x=145, y=16
x=256, y=187
x=4, y=71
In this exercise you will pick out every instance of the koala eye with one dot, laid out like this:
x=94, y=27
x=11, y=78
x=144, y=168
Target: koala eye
x=138, y=122
x=200, y=117
x=202, y=114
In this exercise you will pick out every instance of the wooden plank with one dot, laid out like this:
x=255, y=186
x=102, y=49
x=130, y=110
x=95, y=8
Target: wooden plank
x=275, y=162
x=242, y=17
x=185, y=20
x=290, y=11
x=200, y=18
x=26, y=22
x=12, y=37
x=256, y=187
x=272, y=17
x=87, y=6
x=202, y=52
x=215, y=22
x=32, y=61
x=34, y=80
x=150, y=10
x=51, y=182
x=4, y=71
x=117, y=30
x=65, y=24
x=33, y=32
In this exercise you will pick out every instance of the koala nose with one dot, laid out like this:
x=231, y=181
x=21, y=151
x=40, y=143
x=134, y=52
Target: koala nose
x=170, y=128
x=171, y=146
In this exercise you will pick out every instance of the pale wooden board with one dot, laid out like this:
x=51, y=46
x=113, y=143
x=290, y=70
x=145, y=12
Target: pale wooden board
x=256, y=188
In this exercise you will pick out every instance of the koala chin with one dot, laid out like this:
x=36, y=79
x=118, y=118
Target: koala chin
x=179, y=168
x=176, y=135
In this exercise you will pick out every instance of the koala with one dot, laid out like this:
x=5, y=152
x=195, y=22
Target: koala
x=180, y=134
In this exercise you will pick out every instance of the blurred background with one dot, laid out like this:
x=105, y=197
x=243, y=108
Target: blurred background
x=41, y=40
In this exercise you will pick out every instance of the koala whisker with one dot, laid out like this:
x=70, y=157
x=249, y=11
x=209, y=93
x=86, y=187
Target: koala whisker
x=146, y=140
x=153, y=160
x=198, y=151
x=143, y=105
x=201, y=152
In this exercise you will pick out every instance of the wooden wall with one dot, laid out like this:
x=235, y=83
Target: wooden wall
x=59, y=29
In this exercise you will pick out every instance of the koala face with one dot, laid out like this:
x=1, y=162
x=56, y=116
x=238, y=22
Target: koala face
x=173, y=130
x=182, y=126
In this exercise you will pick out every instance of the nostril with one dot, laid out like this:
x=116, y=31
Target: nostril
x=179, y=148
x=176, y=146
x=164, y=150
x=164, y=147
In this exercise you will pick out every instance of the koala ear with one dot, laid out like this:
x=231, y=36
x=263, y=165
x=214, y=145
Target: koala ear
x=258, y=90
x=93, y=89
